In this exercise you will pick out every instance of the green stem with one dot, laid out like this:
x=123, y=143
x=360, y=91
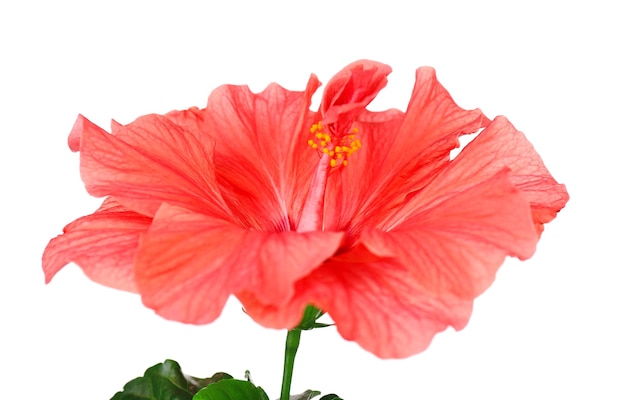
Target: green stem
x=291, y=347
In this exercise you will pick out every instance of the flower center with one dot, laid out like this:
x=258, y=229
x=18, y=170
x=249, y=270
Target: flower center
x=338, y=147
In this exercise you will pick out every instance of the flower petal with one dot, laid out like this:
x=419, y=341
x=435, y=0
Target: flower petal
x=358, y=194
x=499, y=146
x=433, y=122
x=148, y=162
x=455, y=245
x=192, y=120
x=395, y=290
x=350, y=91
x=409, y=150
x=188, y=264
x=372, y=301
x=263, y=161
x=376, y=305
x=103, y=245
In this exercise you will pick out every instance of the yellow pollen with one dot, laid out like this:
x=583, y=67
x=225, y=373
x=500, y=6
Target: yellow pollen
x=339, y=148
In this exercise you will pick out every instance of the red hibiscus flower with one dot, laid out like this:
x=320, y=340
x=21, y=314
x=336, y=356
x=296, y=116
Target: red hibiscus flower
x=361, y=214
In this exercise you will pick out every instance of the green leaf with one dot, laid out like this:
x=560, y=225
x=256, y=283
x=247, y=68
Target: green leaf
x=165, y=381
x=331, y=397
x=195, y=384
x=231, y=389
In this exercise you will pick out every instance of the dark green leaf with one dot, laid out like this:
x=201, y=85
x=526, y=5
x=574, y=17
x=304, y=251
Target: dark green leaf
x=196, y=384
x=165, y=381
x=231, y=389
x=331, y=397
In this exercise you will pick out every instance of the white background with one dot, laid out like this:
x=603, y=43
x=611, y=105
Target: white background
x=549, y=328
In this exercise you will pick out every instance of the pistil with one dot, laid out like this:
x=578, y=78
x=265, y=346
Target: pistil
x=334, y=149
x=312, y=217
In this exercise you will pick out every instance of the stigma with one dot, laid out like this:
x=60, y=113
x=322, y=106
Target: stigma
x=338, y=147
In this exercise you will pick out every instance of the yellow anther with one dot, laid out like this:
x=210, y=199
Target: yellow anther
x=338, y=147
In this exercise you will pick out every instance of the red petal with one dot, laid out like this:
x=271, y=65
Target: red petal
x=149, y=162
x=455, y=244
x=373, y=302
x=376, y=305
x=396, y=290
x=81, y=125
x=263, y=161
x=409, y=150
x=499, y=146
x=103, y=244
x=351, y=90
x=359, y=194
x=433, y=122
x=191, y=120
x=188, y=264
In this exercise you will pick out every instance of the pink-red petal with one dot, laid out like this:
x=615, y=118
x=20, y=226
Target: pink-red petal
x=372, y=300
x=263, y=162
x=455, y=245
x=192, y=120
x=103, y=245
x=148, y=162
x=433, y=122
x=348, y=93
x=499, y=146
x=358, y=194
x=377, y=305
x=408, y=149
x=395, y=290
x=188, y=264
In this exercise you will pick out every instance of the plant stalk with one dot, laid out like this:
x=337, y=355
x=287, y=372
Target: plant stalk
x=291, y=347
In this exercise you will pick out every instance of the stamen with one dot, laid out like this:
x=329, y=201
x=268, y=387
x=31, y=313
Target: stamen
x=338, y=147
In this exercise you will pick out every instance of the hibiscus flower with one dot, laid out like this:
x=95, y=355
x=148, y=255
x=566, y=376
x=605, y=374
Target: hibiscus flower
x=361, y=214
